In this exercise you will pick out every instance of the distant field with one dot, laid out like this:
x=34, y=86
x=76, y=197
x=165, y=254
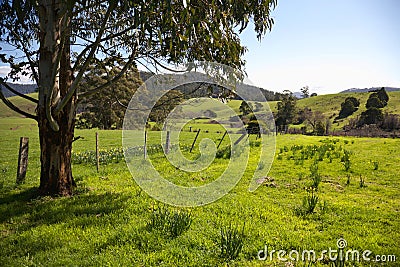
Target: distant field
x=107, y=221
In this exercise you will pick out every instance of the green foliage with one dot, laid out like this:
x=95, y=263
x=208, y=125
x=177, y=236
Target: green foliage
x=345, y=160
x=348, y=181
x=348, y=107
x=308, y=205
x=371, y=116
x=172, y=223
x=286, y=109
x=245, y=108
x=305, y=91
x=106, y=109
x=315, y=175
x=320, y=128
x=374, y=102
x=382, y=95
x=224, y=153
x=107, y=33
x=165, y=105
x=231, y=242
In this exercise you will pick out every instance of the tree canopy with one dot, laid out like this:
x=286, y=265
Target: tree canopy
x=348, y=107
x=286, y=109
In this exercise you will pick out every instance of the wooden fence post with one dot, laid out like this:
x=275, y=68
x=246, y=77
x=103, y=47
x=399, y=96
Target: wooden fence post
x=145, y=145
x=167, y=143
x=240, y=139
x=97, y=152
x=194, y=141
x=22, y=159
x=221, y=139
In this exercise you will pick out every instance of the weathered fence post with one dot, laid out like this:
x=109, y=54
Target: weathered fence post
x=167, y=143
x=240, y=139
x=194, y=141
x=145, y=145
x=22, y=159
x=222, y=139
x=97, y=152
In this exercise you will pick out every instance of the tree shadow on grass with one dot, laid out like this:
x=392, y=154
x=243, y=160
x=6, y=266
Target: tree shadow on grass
x=32, y=224
x=47, y=210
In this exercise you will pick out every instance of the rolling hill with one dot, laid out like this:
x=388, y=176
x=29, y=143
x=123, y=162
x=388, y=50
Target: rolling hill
x=23, y=104
x=329, y=105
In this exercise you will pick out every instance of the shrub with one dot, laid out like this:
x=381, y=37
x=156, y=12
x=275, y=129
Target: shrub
x=172, y=223
x=314, y=175
x=309, y=204
x=374, y=102
x=346, y=160
x=231, y=242
x=348, y=107
x=371, y=116
x=390, y=122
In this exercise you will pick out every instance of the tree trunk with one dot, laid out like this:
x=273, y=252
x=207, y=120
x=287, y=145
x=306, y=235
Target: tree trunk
x=55, y=156
x=55, y=144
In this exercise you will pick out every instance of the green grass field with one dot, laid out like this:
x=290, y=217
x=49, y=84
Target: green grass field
x=108, y=222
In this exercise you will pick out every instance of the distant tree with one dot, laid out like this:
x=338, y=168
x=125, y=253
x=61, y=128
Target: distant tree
x=348, y=107
x=378, y=99
x=106, y=108
x=390, y=122
x=258, y=106
x=374, y=102
x=245, y=108
x=165, y=105
x=371, y=116
x=305, y=91
x=316, y=120
x=210, y=114
x=313, y=94
x=383, y=96
x=286, y=109
x=353, y=100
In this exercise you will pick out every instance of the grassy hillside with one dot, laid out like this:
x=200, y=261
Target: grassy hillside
x=23, y=104
x=329, y=105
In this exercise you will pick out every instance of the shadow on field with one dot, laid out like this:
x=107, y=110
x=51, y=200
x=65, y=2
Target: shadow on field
x=29, y=210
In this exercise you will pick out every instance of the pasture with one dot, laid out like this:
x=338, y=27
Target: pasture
x=111, y=221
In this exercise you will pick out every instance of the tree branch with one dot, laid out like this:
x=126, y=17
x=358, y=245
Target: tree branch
x=26, y=52
x=163, y=66
x=15, y=108
x=79, y=76
x=109, y=37
x=18, y=93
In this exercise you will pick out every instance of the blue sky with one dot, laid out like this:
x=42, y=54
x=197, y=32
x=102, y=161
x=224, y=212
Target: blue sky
x=328, y=45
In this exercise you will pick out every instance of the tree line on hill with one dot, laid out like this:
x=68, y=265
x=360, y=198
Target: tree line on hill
x=288, y=114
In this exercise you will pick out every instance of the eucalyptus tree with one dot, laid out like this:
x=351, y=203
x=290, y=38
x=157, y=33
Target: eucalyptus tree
x=58, y=39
